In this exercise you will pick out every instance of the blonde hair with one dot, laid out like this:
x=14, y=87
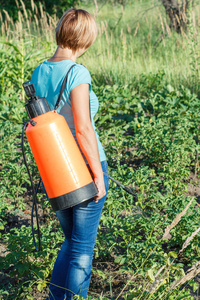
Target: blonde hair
x=76, y=30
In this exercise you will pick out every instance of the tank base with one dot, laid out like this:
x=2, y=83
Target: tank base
x=75, y=197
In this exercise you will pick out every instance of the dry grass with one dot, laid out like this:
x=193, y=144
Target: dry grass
x=189, y=239
x=131, y=40
x=163, y=273
x=191, y=273
x=176, y=221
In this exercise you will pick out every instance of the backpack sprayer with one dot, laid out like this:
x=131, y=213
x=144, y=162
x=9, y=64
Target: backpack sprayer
x=64, y=173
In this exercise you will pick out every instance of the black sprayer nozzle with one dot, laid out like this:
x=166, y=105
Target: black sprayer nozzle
x=29, y=89
x=36, y=105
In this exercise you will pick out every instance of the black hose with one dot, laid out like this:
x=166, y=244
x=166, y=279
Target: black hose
x=34, y=195
x=124, y=187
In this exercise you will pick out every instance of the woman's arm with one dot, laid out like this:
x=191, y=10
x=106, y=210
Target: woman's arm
x=85, y=134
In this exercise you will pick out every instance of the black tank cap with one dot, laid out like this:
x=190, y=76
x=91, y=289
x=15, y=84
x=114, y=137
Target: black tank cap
x=36, y=105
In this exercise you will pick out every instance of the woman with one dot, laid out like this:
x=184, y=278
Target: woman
x=75, y=33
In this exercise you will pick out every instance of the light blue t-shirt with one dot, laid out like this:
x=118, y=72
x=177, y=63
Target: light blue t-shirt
x=47, y=79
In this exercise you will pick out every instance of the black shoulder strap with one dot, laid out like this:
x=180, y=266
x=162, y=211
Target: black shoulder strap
x=63, y=87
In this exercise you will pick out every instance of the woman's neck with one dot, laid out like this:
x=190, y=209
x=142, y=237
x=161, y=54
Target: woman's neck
x=63, y=54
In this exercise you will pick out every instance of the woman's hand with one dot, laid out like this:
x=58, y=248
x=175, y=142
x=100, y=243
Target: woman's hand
x=101, y=189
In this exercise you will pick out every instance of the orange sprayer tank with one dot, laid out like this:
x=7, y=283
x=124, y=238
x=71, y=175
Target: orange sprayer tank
x=61, y=165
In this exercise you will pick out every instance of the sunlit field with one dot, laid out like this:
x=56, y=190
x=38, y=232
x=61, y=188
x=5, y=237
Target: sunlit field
x=146, y=77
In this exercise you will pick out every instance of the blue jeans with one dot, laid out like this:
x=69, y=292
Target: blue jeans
x=72, y=269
